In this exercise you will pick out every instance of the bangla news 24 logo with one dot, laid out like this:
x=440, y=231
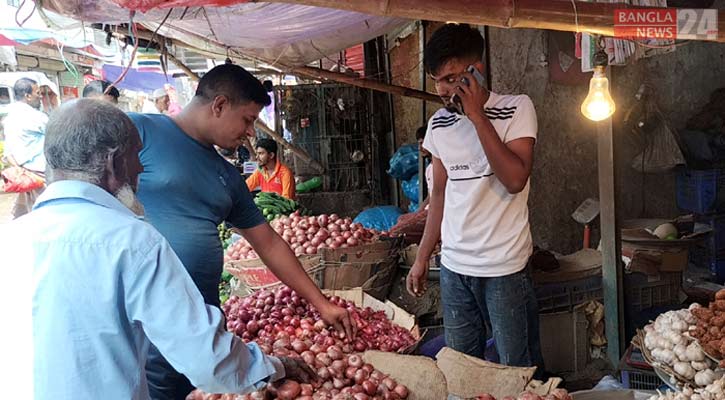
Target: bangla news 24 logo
x=665, y=23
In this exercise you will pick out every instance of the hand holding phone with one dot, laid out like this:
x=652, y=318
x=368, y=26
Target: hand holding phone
x=480, y=80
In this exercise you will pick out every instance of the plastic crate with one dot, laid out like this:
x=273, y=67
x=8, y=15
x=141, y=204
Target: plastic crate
x=636, y=378
x=700, y=191
x=564, y=296
x=703, y=257
x=640, y=379
x=716, y=240
x=640, y=292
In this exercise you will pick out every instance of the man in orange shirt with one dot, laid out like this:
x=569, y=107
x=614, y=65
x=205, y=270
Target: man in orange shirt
x=271, y=176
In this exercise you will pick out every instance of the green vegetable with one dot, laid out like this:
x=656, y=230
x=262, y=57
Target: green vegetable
x=275, y=205
x=309, y=185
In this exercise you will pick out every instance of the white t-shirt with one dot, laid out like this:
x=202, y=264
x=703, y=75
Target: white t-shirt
x=149, y=108
x=485, y=230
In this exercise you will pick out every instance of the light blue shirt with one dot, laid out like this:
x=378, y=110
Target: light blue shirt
x=24, y=129
x=102, y=284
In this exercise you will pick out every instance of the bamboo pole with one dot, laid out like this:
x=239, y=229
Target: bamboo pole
x=296, y=150
x=191, y=74
x=572, y=16
x=319, y=73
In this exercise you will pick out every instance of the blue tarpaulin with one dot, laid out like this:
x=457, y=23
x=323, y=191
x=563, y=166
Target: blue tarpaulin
x=135, y=80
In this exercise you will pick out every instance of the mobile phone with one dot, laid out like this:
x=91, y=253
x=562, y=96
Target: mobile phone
x=455, y=100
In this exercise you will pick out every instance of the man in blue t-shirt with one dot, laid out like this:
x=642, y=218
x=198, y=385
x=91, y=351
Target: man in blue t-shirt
x=188, y=189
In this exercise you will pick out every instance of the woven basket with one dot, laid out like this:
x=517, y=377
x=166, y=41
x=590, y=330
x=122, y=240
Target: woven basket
x=255, y=275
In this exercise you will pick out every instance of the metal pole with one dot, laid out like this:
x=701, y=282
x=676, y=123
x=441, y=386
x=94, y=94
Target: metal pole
x=610, y=243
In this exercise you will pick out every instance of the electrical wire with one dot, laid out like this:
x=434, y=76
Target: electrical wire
x=70, y=67
x=657, y=46
x=576, y=16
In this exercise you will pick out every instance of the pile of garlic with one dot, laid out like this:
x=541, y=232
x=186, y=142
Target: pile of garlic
x=713, y=391
x=667, y=343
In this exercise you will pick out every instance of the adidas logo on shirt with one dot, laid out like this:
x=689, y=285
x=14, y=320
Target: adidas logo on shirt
x=459, y=167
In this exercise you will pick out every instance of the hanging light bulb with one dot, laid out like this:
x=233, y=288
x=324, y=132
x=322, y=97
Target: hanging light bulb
x=598, y=105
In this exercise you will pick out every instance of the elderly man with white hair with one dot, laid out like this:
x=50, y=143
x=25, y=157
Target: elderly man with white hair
x=158, y=102
x=89, y=285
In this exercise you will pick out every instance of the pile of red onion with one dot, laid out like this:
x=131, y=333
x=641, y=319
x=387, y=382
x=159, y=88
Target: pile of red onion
x=344, y=378
x=285, y=325
x=306, y=235
x=281, y=315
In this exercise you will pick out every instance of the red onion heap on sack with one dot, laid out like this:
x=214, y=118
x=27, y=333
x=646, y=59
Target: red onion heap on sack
x=267, y=316
x=285, y=325
x=346, y=378
x=306, y=235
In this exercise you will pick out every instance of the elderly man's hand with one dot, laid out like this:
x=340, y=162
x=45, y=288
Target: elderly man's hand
x=297, y=370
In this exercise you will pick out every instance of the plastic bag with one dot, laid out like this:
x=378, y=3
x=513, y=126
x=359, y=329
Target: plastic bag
x=404, y=163
x=20, y=180
x=661, y=151
x=413, y=207
x=410, y=188
x=382, y=218
x=309, y=185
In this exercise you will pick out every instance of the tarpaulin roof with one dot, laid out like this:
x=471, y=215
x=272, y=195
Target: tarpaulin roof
x=274, y=32
x=139, y=81
x=25, y=36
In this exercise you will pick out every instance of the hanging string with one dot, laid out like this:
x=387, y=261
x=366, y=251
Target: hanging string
x=153, y=37
x=17, y=13
x=133, y=33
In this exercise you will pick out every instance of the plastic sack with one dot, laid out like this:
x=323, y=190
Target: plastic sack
x=382, y=218
x=410, y=188
x=404, y=163
x=20, y=180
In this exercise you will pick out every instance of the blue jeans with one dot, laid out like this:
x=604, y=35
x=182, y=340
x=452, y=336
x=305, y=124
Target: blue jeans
x=507, y=303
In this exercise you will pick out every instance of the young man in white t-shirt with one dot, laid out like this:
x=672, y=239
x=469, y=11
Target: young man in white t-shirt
x=482, y=158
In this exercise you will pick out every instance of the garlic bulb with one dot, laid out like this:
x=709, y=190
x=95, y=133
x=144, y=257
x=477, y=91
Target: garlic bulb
x=694, y=353
x=684, y=369
x=699, y=365
x=704, y=377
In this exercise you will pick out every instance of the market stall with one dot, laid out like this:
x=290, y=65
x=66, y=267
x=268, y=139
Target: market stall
x=358, y=265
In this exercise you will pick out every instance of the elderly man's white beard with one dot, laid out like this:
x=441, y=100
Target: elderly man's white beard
x=128, y=198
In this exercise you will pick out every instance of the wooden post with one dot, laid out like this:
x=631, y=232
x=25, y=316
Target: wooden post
x=597, y=18
x=293, y=148
x=422, y=187
x=610, y=243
